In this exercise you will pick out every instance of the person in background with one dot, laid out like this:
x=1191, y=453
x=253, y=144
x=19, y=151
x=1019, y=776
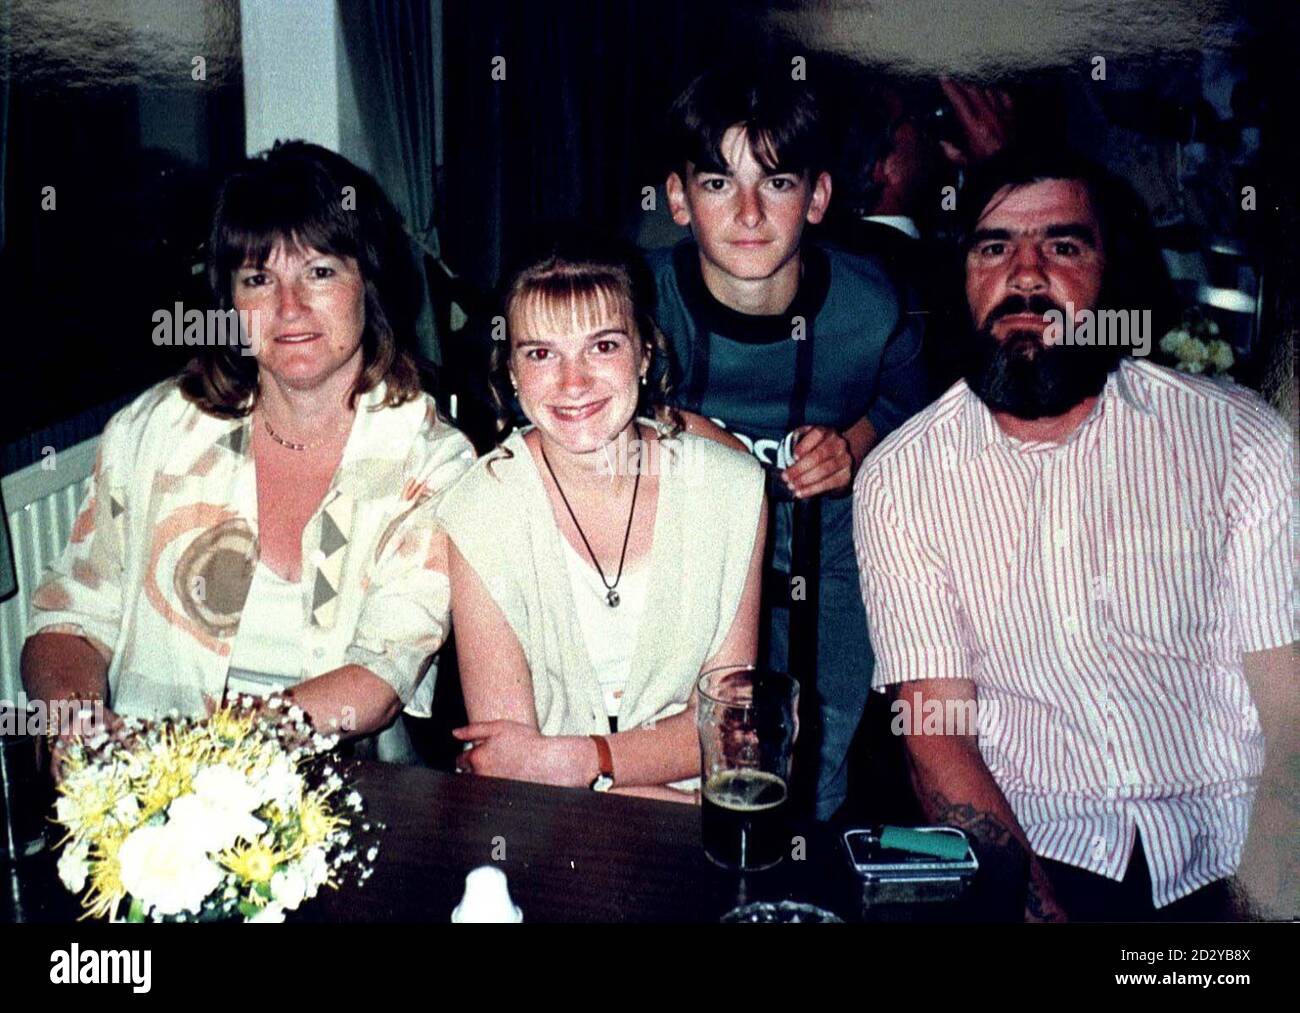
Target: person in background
x=603, y=556
x=1085, y=559
x=904, y=145
x=264, y=522
x=775, y=336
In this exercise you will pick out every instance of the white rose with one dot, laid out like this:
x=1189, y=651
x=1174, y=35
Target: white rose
x=127, y=810
x=74, y=865
x=164, y=871
x=289, y=887
x=281, y=785
x=210, y=827
x=271, y=913
x=227, y=788
x=67, y=812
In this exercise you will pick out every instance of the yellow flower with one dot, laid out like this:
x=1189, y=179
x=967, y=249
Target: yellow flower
x=106, y=889
x=169, y=776
x=92, y=805
x=253, y=863
x=224, y=724
x=274, y=817
x=171, y=764
x=316, y=821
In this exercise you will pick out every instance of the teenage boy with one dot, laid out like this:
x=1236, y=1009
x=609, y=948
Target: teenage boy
x=775, y=335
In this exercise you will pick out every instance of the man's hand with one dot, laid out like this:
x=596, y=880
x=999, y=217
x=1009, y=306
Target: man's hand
x=520, y=752
x=955, y=788
x=987, y=120
x=1040, y=902
x=1270, y=866
x=823, y=463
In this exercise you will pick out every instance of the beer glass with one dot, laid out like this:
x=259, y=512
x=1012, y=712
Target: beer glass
x=25, y=794
x=748, y=720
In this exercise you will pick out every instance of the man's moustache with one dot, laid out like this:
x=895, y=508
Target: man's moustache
x=1039, y=305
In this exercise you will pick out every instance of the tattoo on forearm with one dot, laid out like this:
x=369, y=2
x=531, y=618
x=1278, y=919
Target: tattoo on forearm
x=986, y=828
x=1000, y=849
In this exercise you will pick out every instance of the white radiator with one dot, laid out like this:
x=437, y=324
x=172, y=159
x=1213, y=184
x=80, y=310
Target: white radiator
x=42, y=503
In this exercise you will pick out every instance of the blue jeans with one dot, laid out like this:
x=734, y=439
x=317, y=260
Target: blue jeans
x=844, y=666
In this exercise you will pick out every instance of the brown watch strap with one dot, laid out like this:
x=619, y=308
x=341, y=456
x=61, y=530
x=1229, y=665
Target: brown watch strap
x=604, y=756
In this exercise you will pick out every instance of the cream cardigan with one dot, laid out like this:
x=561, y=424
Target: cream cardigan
x=710, y=496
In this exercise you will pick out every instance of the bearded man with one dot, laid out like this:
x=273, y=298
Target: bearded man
x=1092, y=555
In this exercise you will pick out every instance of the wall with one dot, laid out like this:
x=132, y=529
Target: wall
x=291, y=75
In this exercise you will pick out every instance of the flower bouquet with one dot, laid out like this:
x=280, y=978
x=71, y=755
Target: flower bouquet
x=240, y=815
x=1195, y=346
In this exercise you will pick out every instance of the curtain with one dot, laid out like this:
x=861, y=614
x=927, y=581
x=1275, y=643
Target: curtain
x=8, y=580
x=394, y=49
x=5, y=27
x=570, y=133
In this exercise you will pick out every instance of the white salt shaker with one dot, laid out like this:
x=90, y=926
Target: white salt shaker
x=487, y=898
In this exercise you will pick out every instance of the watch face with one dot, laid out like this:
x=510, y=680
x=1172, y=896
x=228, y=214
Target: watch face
x=603, y=782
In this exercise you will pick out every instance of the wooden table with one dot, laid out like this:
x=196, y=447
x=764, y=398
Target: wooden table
x=571, y=855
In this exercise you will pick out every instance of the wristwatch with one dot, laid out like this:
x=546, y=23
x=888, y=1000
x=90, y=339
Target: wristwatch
x=605, y=779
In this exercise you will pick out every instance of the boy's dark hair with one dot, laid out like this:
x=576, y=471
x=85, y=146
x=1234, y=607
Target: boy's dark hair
x=781, y=117
x=1135, y=276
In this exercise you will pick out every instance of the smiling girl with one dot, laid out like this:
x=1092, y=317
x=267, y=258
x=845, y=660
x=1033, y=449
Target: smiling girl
x=602, y=556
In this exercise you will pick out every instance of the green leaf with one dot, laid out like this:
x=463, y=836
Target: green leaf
x=136, y=914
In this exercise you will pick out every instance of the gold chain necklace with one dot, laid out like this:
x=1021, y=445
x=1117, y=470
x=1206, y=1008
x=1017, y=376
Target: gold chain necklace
x=289, y=444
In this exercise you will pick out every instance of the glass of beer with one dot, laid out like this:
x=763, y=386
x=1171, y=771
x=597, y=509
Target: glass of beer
x=747, y=719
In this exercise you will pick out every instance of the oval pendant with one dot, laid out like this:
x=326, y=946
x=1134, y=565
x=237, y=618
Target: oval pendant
x=612, y=598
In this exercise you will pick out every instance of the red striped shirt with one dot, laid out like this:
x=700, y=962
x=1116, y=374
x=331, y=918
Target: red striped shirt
x=1100, y=594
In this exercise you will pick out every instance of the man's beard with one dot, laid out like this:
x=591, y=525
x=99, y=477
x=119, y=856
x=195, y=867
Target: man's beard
x=1025, y=377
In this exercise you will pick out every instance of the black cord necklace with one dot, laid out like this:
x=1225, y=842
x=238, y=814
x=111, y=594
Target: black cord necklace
x=611, y=595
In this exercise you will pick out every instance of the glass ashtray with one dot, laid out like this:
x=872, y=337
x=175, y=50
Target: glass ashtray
x=780, y=913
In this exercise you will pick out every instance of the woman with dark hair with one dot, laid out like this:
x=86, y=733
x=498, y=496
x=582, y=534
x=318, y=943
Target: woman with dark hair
x=604, y=555
x=264, y=522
